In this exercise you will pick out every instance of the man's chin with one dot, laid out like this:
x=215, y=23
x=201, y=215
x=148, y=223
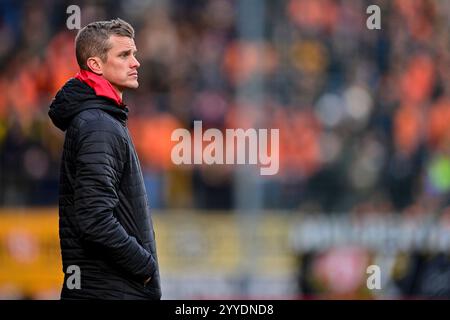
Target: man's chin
x=132, y=85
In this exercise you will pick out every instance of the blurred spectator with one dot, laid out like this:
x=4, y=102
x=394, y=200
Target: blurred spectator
x=360, y=112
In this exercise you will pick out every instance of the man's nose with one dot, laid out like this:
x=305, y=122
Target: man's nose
x=135, y=63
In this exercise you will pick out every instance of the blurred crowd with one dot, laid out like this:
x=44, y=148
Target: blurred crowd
x=364, y=115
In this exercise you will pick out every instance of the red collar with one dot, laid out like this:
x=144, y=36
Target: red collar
x=101, y=86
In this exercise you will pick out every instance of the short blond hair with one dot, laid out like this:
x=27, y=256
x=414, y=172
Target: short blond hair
x=93, y=39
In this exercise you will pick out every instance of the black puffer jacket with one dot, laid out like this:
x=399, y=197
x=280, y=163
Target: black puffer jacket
x=105, y=226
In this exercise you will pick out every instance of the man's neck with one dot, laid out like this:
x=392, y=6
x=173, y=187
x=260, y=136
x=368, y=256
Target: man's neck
x=117, y=90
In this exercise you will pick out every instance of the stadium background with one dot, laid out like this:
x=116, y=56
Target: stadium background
x=364, y=120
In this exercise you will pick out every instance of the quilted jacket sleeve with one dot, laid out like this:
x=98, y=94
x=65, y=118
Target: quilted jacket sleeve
x=101, y=155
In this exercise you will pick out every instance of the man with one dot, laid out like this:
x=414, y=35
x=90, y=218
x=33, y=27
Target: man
x=105, y=226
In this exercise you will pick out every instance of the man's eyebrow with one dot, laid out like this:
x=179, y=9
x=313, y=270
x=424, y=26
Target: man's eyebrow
x=127, y=51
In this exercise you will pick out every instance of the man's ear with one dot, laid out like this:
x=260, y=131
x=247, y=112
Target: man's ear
x=95, y=65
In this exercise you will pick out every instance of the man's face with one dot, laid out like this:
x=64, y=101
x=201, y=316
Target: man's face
x=120, y=68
